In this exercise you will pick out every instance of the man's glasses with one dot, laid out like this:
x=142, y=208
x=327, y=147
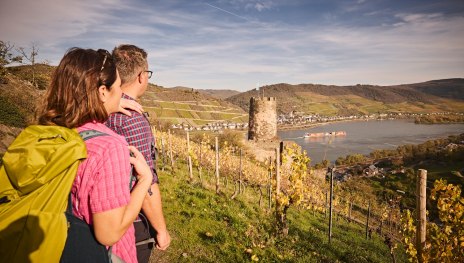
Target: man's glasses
x=150, y=73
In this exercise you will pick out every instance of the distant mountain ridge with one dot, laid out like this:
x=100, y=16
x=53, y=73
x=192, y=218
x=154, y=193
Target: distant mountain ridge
x=200, y=106
x=219, y=93
x=214, y=93
x=435, y=95
x=447, y=88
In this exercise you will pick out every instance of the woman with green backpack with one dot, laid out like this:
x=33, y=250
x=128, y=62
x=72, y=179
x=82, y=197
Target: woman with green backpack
x=72, y=162
x=84, y=90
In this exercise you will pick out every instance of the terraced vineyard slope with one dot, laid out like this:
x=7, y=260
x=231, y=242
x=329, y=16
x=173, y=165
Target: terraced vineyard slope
x=188, y=106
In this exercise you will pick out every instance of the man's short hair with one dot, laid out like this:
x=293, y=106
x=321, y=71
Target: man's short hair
x=130, y=61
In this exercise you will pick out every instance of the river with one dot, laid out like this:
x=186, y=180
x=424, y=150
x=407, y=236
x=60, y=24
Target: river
x=365, y=136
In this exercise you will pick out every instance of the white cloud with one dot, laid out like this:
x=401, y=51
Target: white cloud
x=195, y=45
x=418, y=18
x=331, y=55
x=24, y=20
x=259, y=6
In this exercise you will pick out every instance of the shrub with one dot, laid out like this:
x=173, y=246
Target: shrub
x=445, y=240
x=10, y=114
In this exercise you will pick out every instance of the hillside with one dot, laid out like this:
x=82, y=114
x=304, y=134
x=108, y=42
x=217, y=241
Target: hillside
x=209, y=227
x=431, y=96
x=189, y=106
x=18, y=98
x=182, y=105
x=219, y=94
x=446, y=88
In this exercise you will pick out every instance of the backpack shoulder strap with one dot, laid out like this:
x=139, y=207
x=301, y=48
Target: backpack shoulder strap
x=89, y=134
x=85, y=135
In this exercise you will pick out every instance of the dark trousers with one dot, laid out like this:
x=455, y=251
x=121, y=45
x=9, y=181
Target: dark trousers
x=143, y=231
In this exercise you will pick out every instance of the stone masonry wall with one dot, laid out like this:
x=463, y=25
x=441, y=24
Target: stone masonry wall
x=263, y=119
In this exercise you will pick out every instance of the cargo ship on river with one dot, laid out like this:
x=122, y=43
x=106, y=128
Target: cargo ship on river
x=324, y=134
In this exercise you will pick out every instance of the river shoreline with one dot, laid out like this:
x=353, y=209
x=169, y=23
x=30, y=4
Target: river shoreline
x=364, y=136
x=318, y=124
x=312, y=125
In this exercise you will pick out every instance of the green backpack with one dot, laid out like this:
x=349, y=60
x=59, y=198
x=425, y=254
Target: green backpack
x=36, y=177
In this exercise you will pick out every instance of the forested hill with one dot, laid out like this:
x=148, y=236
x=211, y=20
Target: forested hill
x=435, y=95
x=446, y=88
x=220, y=94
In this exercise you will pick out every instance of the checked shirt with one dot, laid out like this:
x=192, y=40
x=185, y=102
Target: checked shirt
x=137, y=131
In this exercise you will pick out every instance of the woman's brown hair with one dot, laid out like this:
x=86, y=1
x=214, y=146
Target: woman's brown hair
x=72, y=99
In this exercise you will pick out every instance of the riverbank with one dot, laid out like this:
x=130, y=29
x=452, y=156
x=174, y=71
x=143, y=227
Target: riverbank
x=435, y=118
x=292, y=127
x=440, y=119
x=365, y=136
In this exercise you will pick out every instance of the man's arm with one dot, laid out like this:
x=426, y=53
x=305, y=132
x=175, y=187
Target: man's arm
x=137, y=132
x=153, y=210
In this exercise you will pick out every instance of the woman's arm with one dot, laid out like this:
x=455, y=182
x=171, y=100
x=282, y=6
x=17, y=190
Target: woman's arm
x=110, y=226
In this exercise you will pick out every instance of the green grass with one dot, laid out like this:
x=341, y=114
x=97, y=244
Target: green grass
x=165, y=104
x=166, y=113
x=374, y=108
x=183, y=106
x=228, y=116
x=243, y=119
x=322, y=108
x=205, y=115
x=184, y=114
x=206, y=227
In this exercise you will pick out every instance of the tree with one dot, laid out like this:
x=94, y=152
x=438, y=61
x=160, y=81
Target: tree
x=31, y=57
x=7, y=57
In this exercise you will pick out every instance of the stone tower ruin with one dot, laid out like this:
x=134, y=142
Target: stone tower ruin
x=263, y=119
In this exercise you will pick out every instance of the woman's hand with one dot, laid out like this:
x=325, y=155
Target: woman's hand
x=144, y=173
x=129, y=104
x=110, y=225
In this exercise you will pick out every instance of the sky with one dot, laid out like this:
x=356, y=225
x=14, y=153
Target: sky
x=245, y=44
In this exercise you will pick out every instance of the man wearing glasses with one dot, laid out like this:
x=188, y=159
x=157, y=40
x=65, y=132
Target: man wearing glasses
x=131, y=62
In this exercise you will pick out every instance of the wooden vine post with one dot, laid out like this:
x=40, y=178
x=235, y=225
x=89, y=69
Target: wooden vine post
x=217, y=166
x=189, y=158
x=367, y=220
x=170, y=150
x=163, y=154
x=270, y=183
x=200, y=160
x=349, y=211
x=277, y=151
x=240, y=174
x=331, y=204
x=421, y=209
